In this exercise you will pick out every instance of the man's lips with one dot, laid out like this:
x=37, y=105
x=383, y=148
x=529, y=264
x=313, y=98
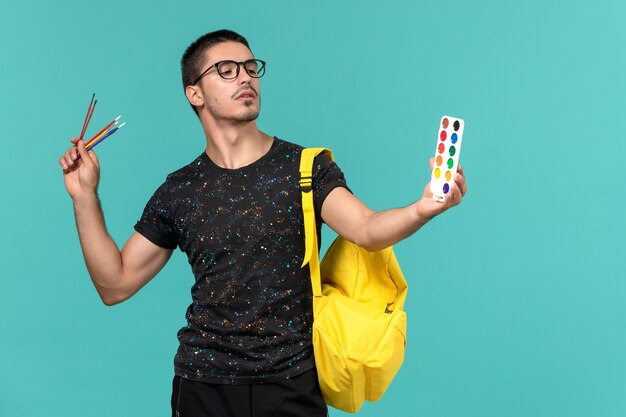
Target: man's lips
x=246, y=94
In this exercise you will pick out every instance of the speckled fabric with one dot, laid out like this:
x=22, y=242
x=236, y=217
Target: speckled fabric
x=251, y=314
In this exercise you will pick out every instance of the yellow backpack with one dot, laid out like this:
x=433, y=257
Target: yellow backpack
x=359, y=328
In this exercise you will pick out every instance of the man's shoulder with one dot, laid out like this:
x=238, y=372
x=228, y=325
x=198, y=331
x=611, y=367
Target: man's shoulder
x=188, y=172
x=287, y=145
x=296, y=146
x=293, y=149
x=284, y=151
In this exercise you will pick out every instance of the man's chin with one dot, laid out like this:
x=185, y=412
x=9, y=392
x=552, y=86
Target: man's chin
x=249, y=116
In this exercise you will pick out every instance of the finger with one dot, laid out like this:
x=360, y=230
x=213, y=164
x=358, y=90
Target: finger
x=427, y=191
x=454, y=197
x=94, y=157
x=84, y=155
x=70, y=156
x=91, y=155
x=458, y=196
x=461, y=183
x=63, y=163
x=74, y=141
x=69, y=159
x=432, y=163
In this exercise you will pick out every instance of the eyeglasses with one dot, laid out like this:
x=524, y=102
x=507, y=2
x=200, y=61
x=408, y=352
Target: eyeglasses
x=229, y=70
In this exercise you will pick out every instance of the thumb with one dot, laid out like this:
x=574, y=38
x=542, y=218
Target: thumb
x=89, y=157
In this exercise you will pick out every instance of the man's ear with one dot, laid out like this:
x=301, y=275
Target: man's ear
x=194, y=95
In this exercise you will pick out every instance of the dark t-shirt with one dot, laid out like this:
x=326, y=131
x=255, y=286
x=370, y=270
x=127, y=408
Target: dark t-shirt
x=251, y=314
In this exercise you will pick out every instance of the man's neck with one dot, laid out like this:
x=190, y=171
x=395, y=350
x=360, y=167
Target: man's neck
x=235, y=146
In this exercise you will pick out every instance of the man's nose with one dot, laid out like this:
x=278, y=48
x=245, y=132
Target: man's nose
x=243, y=76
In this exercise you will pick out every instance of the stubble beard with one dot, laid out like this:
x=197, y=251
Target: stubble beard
x=250, y=114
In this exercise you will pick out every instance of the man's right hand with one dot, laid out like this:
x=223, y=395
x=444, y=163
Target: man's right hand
x=81, y=175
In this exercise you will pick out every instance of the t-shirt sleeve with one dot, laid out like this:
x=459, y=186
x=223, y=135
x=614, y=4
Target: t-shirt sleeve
x=326, y=177
x=156, y=223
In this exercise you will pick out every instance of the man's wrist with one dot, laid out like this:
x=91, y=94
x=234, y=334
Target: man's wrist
x=86, y=198
x=419, y=219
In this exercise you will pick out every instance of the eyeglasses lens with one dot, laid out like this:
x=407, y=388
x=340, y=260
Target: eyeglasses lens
x=230, y=69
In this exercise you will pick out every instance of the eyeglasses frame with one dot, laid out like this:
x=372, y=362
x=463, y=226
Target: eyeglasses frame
x=239, y=65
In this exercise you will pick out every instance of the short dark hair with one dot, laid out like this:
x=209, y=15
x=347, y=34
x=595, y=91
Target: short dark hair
x=193, y=58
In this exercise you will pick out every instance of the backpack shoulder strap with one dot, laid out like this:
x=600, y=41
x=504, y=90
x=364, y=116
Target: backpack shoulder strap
x=311, y=254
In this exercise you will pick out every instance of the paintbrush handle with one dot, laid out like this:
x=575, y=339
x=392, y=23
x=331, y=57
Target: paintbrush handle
x=93, y=144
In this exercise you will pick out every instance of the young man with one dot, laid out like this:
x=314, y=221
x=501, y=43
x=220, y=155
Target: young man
x=236, y=212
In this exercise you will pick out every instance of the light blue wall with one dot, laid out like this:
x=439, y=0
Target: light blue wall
x=516, y=299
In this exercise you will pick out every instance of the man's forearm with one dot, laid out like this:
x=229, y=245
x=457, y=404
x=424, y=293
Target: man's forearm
x=388, y=227
x=102, y=256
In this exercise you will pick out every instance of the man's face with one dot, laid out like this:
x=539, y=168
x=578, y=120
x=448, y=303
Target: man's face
x=238, y=99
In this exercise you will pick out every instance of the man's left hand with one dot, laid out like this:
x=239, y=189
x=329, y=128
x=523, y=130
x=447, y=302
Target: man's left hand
x=428, y=207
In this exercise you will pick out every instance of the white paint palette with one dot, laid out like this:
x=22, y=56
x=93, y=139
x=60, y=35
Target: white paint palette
x=446, y=156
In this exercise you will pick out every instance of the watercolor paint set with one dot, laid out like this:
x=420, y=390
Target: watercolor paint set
x=446, y=156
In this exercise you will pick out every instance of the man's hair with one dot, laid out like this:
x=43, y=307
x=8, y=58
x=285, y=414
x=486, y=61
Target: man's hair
x=193, y=58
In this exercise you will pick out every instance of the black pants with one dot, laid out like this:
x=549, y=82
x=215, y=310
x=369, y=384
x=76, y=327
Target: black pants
x=298, y=396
